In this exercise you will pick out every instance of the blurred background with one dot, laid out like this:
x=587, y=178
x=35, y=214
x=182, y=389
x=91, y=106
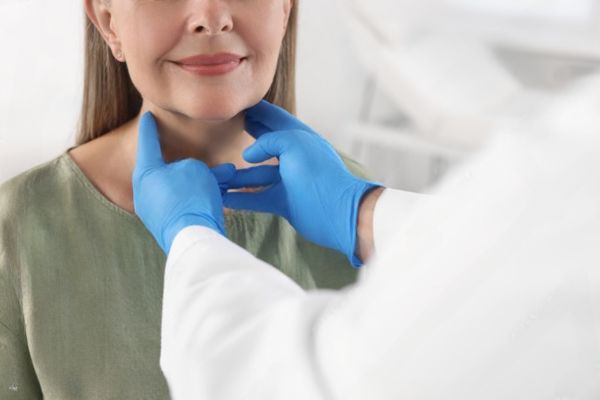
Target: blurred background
x=408, y=88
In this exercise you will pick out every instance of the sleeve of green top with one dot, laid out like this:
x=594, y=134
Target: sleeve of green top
x=18, y=379
x=17, y=376
x=355, y=167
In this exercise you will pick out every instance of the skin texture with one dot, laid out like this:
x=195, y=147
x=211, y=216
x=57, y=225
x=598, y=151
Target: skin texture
x=198, y=116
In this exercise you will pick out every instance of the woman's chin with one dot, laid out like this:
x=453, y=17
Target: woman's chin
x=216, y=112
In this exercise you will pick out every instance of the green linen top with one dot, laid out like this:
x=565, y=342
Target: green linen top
x=81, y=283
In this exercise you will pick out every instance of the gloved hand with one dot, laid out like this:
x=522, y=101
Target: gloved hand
x=311, y=187
x=170, y=197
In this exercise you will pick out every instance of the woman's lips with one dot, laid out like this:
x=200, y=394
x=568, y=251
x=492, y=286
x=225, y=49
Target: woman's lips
x=212, y=69
x=211, y=64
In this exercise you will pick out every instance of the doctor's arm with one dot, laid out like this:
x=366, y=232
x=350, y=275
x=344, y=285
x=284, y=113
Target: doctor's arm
x=235, y=327
x=483, y=296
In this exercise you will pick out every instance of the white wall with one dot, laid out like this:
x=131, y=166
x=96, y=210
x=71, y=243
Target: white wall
x=330, y=80
x=41, y=75
x=40, y=80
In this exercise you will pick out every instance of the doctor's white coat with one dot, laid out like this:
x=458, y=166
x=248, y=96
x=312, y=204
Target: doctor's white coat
x=490, y=291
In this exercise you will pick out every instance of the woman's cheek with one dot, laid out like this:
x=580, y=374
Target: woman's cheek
x=263, y=81
x=265, y=43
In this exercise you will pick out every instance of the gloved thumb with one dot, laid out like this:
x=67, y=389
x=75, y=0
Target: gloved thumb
x=269, y=145
x=224, y=172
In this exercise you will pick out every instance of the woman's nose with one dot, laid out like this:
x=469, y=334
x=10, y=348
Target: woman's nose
x=212, y=17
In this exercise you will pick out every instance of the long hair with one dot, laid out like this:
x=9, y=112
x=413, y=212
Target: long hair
x=110, y=99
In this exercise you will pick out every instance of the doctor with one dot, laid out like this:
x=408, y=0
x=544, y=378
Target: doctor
x=476, y=296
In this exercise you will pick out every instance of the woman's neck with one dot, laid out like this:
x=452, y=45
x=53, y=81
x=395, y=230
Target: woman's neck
x=212, y=143
x=109, y=161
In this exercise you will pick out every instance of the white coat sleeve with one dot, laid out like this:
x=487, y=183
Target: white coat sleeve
x=235, y=327
x=492, y=291
x=392, y=211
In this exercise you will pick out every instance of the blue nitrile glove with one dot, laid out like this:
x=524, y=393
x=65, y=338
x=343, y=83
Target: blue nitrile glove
x=311, y=187
x=170, y=197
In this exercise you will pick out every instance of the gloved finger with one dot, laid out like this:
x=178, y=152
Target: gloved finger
x=269, y=145
x=149, y=153
x=256, y=129
x=266, y=117
x=263, y=201
x=263, y=175
x=224, y=172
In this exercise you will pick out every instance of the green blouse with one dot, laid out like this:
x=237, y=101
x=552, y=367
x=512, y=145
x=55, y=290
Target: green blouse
x=81, y=284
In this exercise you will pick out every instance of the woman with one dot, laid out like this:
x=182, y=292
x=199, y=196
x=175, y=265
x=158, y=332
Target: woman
x=80, y=276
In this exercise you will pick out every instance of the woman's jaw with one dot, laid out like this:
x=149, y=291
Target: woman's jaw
x=214, y=140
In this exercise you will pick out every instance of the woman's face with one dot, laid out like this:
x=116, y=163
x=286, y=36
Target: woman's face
x=154, y=34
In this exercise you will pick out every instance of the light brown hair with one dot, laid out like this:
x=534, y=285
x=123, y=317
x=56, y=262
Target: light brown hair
x=110, y=99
